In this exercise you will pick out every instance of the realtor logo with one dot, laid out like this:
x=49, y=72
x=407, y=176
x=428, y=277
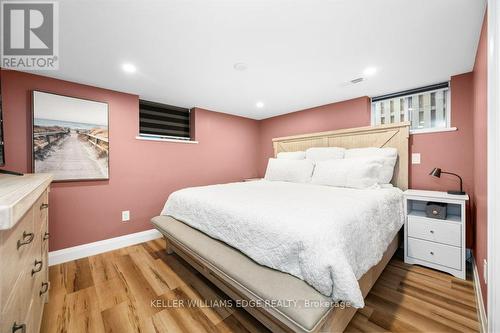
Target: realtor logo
x=30, y=35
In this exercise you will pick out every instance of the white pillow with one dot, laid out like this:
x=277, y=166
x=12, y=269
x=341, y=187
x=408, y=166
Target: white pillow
x=389, y=157
x=354, y=173
x=297, y=171
x=295, y=155
x=324, y=153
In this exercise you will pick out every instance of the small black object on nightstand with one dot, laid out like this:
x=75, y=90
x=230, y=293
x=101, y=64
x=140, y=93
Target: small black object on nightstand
x=436, y=210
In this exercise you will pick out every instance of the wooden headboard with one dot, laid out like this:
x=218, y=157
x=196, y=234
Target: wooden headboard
x=392, y=135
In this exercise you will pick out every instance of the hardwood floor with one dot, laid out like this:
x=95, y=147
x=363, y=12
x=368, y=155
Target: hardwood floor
x=139, y=288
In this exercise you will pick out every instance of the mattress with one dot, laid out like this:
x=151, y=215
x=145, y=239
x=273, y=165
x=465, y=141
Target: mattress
x=326, y=236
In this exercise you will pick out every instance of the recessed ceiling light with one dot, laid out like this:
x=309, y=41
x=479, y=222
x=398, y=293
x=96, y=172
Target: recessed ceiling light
x=369, y=71
x=129, y=68
x=260, y=105
x=240, y=66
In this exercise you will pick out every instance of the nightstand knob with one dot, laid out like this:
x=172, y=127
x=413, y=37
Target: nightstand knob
x=432, y=231
x=432, y=253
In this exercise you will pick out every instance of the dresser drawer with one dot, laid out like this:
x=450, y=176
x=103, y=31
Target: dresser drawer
x=40, y=291
x=16, y=250
x=449, y=233
x=22, y=295
x=41, y=210
x=26, y=307
x=44, y=237
x=33, y=267
x=45, y=256
x=436, y=253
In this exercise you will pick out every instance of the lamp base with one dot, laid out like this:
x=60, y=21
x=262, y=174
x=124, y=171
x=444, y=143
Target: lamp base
x=7, y=172
x=456, y=192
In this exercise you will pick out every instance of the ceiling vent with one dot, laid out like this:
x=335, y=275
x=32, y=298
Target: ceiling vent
x=358, y=80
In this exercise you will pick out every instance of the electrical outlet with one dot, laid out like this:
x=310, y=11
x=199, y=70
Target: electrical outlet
x=485, y=271
x=126, y=215
x=415, y=158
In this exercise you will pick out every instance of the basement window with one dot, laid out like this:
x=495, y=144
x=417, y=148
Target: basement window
x=161, y=122
x=428, y=109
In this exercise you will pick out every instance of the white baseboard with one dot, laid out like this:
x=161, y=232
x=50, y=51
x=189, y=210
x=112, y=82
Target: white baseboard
x=90, y=249
x=483, y=320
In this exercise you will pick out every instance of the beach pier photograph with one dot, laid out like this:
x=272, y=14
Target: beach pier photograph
x=70, y=137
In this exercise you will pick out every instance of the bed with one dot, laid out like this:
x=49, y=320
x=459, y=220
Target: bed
x=289, y=263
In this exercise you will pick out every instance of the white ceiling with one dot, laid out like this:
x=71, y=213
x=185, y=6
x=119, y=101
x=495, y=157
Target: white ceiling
x=299, y=54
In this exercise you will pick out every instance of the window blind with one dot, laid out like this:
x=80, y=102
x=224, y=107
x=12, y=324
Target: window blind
x=416, y=91
x=426, y=107
x=161, y=120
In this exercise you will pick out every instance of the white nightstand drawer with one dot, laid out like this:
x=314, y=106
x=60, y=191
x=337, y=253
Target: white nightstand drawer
x=440, y=254
x=437, y=231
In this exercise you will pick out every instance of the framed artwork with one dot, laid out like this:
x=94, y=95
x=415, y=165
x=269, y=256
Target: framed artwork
x=70, y=137
x=2, y=151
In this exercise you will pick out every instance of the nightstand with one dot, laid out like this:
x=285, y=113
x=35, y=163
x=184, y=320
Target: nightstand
x=432, y=242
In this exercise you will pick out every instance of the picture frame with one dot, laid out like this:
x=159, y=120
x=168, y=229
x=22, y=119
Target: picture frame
x=2, y=144
x=70, y=137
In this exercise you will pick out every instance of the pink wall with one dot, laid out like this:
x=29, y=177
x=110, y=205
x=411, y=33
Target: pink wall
x=143, y=173
x=480, y=89
x=346, y=114
x=452, y=151
x=448, y=150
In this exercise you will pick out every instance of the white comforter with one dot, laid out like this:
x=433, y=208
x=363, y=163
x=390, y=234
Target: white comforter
x=326, y=236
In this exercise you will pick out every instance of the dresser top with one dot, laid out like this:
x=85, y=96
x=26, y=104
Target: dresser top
x=18, y=194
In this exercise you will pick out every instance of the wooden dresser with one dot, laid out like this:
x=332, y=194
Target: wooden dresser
x=24, y=280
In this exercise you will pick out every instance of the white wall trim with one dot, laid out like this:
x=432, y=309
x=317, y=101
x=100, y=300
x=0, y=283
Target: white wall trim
x=483, y=320
x=493, y=166
x=433, y=130
x=90, y=249
x=147, y=138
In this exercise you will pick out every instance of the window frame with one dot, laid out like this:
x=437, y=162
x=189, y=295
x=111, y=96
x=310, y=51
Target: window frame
x=408, y=115
x=166, y=138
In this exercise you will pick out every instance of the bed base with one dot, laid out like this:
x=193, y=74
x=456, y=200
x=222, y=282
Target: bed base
x=335, y=320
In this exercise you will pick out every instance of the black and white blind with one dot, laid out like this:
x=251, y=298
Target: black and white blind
x=165, y=121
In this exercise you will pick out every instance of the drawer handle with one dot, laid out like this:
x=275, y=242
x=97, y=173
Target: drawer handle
x=45, y=288
x=37, y=267
x=44, y=206
x=46, y=235
x=16, y=327
x=432, y=231
x=27, y=238
x=432, y=253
